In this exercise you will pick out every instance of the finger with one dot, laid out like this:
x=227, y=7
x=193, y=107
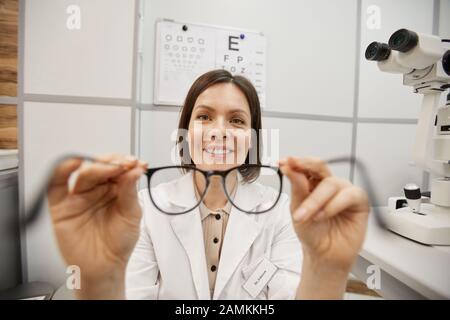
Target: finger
x=281, y=162
x=127, y=191
x=84, y=203
x=58, y=184
x=92, y=174
x=98, y=194
x=318, y=198
x=348, y=199
x=142, y=164
x=313, y=166
x=62, y=172
x=299, y=186
x=104, y=168
x=127, y=161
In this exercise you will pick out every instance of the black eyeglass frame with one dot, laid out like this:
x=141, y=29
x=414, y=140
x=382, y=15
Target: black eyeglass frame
x=29, y=215
x=207, y=174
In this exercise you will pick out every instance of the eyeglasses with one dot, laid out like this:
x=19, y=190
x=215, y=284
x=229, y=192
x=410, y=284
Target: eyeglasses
x=168, y=192
x=153, y=174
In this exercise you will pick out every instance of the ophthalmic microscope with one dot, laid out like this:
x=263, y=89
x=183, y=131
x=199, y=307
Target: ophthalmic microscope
x=424, y=61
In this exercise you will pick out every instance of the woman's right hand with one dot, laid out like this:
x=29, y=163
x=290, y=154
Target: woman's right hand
x=97, y=222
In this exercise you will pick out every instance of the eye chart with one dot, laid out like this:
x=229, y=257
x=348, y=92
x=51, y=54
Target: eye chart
x=185, y=51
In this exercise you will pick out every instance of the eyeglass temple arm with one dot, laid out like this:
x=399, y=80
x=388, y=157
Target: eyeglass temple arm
x=30, y=215
x=367, y=185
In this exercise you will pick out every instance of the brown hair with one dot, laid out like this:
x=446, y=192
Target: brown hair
x=201, y=84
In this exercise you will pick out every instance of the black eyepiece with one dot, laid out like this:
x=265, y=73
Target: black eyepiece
x=446, y=62
x=377, y=51
x=412, y=191
x=403, y=40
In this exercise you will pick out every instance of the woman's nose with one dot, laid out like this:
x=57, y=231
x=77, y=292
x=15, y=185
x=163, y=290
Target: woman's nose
x=220, y=131
x=218, y=135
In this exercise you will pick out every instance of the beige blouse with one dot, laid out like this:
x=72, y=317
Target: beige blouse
x=214, y=224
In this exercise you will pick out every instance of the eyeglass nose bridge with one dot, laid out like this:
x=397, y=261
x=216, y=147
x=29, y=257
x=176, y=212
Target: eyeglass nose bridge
x=212, y=173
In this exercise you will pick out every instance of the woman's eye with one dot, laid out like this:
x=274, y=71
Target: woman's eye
x=202, y=117
x=237, y=121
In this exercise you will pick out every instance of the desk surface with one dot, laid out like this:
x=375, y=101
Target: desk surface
x=423, y=268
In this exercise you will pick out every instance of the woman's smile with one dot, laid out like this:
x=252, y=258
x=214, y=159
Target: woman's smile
x=218, y=151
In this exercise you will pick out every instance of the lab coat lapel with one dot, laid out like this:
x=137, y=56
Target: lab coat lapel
x=188, y=230
x=241, y=232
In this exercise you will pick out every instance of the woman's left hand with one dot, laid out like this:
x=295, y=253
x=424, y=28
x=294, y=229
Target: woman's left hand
x=329, y=215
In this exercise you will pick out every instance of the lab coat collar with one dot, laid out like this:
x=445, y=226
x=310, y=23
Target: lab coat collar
x=183, y=192
x=242, y=230
x=189, y=232
x=188, y=229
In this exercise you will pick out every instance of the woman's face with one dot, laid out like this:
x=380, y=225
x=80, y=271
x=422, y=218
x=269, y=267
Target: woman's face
x=220, y=128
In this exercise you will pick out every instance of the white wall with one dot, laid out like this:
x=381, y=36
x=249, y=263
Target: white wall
x=311, y=45
x=301, y=54
x=92, y=61
x=444, y=21
x=77, y=92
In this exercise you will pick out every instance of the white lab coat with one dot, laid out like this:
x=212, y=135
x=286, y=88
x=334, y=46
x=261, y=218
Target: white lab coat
x=169, y=261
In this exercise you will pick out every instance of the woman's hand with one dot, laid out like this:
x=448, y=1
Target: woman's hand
x=97, y=222
x=330, y=218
